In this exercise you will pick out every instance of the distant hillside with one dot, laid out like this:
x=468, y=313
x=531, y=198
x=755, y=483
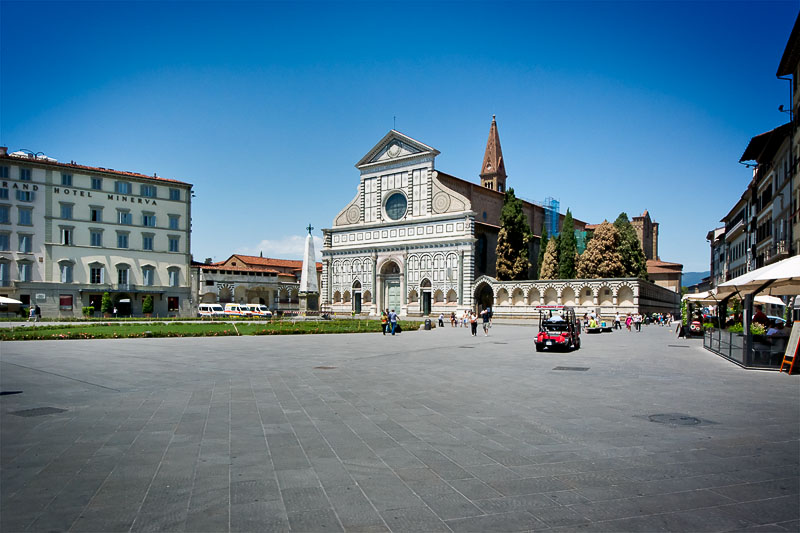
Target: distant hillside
x=690, y=278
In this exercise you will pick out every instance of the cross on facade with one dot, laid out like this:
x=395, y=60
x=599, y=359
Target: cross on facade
x=309, y=228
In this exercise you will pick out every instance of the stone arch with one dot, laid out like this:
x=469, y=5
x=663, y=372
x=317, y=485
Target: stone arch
x=208, y=298
x=452, y=297
x=346, y=297
x=484, y=295
x=625, y=296
x=568, y=296
x=605, y=296
x=534, y=296
x=225, y=294
x=550, y=296
x=425, y=283
x=517, y=297
x=438, y=296
x=390, y=265
x=356, y=284
x=366, y=297
x=586, y=296
x=240, y=293
x=337, y=297
x=413, y=296
x=502, y=297
x=294, y=296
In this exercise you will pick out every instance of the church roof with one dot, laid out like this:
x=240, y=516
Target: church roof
x=493, y=162
x=393, y=147
x=655, y=266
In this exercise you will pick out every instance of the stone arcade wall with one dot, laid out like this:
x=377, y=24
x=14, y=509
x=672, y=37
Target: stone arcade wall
x=604, y=296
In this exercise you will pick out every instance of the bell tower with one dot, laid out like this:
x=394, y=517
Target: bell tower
x=493, y=171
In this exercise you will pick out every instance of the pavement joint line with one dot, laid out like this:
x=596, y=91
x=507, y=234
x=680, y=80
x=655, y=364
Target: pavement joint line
x=61, y=375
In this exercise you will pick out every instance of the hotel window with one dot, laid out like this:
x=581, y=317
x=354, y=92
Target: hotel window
x=95, y=237
x=25, y=216
x=96, y=274
x=5, y=274
x=122, y=187
x=66, y=180
x=66, y=272
x=148, y=190
x=24, y=243
x=174, y=221
x=66, y=236
x=4, y=217
x=25, y=174
x=5, y=242
x=97, y=184
x=123, y=275
x=3, y=171
x=174, y=277
x=3, y=193
x=174, y=244
x=24, y=269
x=66, y=211
x=65, y=302
x=96, y=214
x=175, y=194
x=122, y=240
x=172, y=303
x=25, y=196
x=148, y=275
x=147, y=241
x=124, y=217
x=149, y=220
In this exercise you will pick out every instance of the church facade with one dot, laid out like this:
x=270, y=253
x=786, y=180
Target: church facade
x=420, y=241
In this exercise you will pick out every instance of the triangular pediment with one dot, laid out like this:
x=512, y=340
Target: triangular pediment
x=395, y=147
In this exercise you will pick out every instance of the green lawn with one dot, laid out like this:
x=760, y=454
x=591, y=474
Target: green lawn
x=120, y=330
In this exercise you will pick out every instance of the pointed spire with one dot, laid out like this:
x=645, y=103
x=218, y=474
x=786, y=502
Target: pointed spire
x=493, y=171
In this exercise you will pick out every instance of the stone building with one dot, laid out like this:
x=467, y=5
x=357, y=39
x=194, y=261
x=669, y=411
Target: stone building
x=647, y=231
x=69, y=233
x=251, y=279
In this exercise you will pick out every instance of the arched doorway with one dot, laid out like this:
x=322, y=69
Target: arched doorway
x=425, y=289
x=390, y=276
x=484, y=296
x=357, y=297
x=123, y=304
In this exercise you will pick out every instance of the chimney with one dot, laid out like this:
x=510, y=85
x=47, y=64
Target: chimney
x=3, y=150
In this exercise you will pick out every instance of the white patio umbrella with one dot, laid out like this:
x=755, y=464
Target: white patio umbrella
x=706, y=297
x=786, y=276
x=5, y=301
x=767, y=299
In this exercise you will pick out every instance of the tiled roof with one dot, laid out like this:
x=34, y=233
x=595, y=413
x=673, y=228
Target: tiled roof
x=656, y=266
x=73, y=165
x=269, y=261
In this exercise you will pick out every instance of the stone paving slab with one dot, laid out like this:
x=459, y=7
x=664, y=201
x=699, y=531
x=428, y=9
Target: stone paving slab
x=424, y=431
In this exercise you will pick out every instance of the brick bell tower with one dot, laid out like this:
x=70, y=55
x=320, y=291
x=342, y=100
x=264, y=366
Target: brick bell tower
x=493, y=171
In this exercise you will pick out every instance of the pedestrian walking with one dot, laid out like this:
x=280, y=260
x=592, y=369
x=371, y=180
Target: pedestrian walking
x=637, y=321
x=32, y=314
x=628, y=321
x=485, y=317
x=441, y=320
x=38, y=314
x=393, y=320
x=617, y=324
x=384, y=321
x=473, y=322
x=453, y=319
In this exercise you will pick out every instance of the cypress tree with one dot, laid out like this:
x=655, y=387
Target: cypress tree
x=512, y=240
x=630, y=249
x=550, y=262
x=601, y=258
x=567, y=248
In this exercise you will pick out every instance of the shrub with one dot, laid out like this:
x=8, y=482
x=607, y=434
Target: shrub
x=106, y=306
x=757, y=329
x=88, y=311
x=147, y=304
x=736, y=328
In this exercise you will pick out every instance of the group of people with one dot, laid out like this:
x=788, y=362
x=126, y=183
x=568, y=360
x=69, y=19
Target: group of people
x=774, y=328
x=469, y=317
x=388, y=321
x=34, y=314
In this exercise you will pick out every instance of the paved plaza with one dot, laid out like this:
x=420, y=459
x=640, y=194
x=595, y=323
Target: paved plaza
x=425, y=431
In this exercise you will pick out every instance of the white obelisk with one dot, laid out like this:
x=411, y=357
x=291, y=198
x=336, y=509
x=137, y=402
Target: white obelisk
x=309, y=287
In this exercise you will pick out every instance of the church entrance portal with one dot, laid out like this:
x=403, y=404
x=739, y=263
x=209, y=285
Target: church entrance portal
x=484, y=296
x=391, y=286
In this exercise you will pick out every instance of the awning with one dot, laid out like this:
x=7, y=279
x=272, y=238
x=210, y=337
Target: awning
x=6, y=301
x=767, y=299
x=706, y=297
x=784, y=275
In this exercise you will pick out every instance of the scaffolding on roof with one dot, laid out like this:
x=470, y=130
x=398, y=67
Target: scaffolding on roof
x=551, y=212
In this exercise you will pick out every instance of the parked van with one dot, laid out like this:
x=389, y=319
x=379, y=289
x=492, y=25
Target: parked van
x=210, y=311
x=236, y=310
x=259, y=310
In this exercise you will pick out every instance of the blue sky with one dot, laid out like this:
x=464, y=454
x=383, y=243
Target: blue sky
x=266, y=106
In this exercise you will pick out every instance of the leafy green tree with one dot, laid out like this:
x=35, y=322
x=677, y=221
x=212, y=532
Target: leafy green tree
x=601, y=258
x=567, y=248
x=105, y=305
x=550, y=262
x=512, y=240
x=147, y=304
x=630, y=249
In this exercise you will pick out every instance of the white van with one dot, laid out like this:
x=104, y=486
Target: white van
x=210, y=311
x=236, y=310
x=259, y=310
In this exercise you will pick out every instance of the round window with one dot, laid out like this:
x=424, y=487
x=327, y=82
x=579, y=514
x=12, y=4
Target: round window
x=396, y=206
